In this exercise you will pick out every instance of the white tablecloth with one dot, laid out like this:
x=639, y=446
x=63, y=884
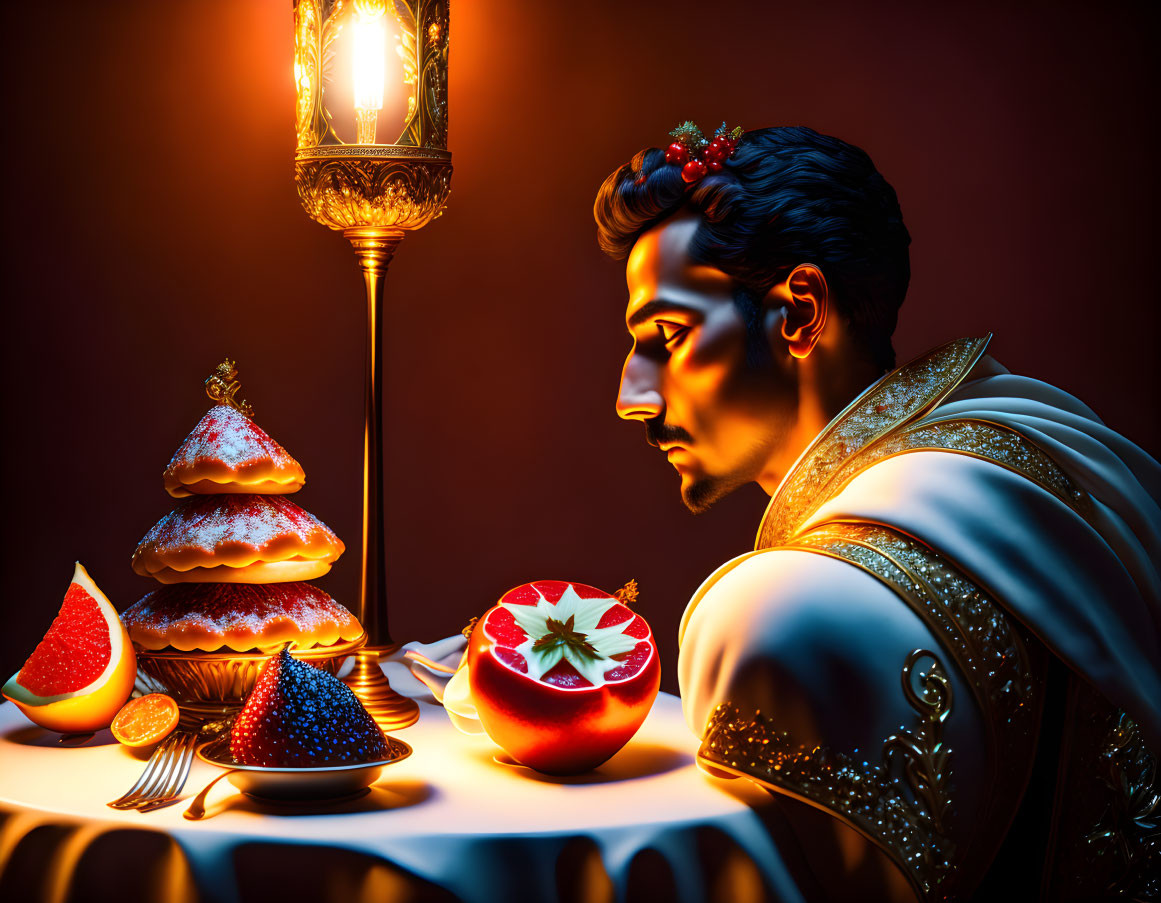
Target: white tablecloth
x=451, y=822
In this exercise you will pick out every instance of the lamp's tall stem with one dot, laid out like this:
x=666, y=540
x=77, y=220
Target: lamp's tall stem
x=374, y=247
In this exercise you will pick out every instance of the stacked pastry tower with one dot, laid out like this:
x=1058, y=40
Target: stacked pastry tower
x=235, y=551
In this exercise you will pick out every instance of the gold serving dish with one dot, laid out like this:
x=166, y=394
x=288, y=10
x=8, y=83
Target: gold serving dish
x=215, y=684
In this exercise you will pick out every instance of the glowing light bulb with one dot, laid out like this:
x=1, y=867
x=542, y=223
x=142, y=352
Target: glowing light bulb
x=370, y=68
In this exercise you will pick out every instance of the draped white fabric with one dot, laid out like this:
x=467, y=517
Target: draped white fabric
x=455, y=821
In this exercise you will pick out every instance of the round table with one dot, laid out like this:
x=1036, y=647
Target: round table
x=455, y=821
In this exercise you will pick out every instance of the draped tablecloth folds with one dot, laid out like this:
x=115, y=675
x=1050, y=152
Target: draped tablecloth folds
x=455, y=821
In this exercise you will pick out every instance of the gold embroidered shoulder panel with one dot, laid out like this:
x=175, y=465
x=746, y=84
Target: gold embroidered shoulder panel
x=900, y=397
x=873, y=430
x=982, y=639
x=975, y=438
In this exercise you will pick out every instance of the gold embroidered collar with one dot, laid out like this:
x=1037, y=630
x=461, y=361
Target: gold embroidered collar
x=900, y=397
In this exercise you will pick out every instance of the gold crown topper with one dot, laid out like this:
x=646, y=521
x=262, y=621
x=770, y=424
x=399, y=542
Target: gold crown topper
x=223, y=386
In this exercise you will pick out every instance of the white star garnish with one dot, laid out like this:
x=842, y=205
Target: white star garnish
x=586, y=614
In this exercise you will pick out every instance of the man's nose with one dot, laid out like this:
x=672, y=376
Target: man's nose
x=639, y=397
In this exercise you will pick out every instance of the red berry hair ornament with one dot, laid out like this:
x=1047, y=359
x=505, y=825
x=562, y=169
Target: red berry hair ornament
x=696, y=155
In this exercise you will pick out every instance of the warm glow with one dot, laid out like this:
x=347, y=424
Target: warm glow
x=370, y=67
x=370, y=62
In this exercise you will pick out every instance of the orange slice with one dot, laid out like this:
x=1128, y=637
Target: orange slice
x=83, y=670
x=145, y=720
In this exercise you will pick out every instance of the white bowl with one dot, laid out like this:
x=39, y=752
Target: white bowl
x=300, y=784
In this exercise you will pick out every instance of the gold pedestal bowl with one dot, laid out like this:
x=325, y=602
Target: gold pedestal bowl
x=211, y=686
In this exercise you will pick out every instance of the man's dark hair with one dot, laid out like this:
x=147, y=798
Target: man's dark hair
x=787, y=196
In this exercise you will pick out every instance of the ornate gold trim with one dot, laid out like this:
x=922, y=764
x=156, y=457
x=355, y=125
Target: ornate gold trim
x=976, y=438
x=903, y=809
x=378, y=151
x=1128, y=833
x=1106, y=820
x=899, y=397
x=972, y=625
x=395, y=193
x=220, y=681
x=1004, y=672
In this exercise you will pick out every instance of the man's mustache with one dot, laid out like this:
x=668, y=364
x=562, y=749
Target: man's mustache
x=656, y=432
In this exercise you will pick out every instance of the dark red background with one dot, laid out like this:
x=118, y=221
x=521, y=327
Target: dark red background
x=151, y=226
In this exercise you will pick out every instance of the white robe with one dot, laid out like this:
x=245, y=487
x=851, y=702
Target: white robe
x=798, y=646
x=1091, y=591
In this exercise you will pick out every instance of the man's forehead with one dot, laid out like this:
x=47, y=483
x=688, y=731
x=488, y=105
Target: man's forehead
x=659, y=264
x=661, y=250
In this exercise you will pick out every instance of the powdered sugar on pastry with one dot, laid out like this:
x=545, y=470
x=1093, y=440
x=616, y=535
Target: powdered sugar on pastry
x=240, y=617
x=218, y=533
x=228, y=453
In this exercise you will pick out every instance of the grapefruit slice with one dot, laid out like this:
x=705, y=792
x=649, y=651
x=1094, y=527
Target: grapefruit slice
x=82, y=672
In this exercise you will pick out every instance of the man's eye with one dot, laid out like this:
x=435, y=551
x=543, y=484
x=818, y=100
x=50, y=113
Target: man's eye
x=671, y=333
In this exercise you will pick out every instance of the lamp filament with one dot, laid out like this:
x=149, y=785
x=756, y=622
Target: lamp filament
x=370, y=64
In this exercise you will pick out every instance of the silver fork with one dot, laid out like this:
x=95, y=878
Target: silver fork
x=180, y=774
x=164, y=776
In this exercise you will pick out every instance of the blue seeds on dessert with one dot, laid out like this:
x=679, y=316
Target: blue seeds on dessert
x=298, y=716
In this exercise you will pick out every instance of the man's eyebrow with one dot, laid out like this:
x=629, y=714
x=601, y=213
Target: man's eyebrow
x=650, y=309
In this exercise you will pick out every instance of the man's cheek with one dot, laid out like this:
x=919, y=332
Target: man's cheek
x=721, y=348
x=706, y=385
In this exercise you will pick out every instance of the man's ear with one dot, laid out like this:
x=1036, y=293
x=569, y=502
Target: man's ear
x=806, y=298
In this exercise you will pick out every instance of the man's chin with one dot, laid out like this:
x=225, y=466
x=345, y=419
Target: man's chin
x=700, y=494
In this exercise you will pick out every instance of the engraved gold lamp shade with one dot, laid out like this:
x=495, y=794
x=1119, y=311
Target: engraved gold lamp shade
x=372, y=162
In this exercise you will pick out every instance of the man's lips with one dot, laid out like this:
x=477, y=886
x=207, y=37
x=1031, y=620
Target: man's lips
x=680, y=458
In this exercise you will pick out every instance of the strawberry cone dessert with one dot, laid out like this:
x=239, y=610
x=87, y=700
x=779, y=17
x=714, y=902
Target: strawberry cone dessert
x=301, y=717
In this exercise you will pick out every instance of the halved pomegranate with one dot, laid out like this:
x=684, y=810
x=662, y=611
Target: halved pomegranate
x=561, y=675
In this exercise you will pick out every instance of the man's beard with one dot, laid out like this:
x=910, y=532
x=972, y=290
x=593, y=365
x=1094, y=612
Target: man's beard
x=701, y=494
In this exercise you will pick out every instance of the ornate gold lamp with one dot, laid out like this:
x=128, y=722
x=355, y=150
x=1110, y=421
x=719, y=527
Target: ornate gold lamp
x=372, y=162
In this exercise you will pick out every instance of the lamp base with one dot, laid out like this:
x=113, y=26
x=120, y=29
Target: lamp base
x=391, y=711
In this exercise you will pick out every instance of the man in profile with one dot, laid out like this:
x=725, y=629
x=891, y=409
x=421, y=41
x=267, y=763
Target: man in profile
x=947, y=636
